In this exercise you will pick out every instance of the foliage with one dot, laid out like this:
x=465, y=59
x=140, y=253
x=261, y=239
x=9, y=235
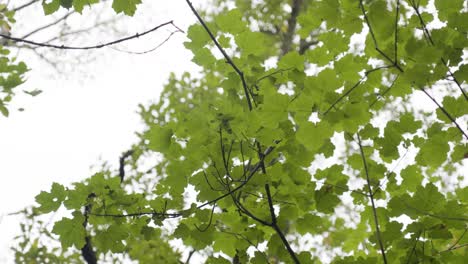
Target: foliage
x=11, y=71
x=256, y=143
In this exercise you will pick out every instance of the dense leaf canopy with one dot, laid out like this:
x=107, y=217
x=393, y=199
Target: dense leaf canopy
x=317, y=131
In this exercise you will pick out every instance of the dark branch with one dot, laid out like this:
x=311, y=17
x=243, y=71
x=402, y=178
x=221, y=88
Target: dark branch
x=305, y=45
x=190, y=256
x=395, y=44
x=371, y=31
x=428, y=36
x=87, y=251
x=371, y=196
x=226, y=56
x=63, y=47
x=276, y=227
x=344, y=95
x=24, y=5
x=209, y=222
x=292, y=23
x=150, y=50
x=447, y=114
x=124, y=156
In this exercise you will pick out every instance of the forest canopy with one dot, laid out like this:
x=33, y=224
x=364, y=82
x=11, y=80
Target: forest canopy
x=315, y=132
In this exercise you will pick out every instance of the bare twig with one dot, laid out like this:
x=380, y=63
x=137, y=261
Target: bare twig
x=24, y=5
x=81, y=30
x=39, y=29
x=63, y=47
x=150, y=50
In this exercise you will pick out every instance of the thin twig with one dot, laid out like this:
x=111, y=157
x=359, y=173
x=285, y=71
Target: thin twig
x=447, y=114
x=413, y=250
x=442, y=217
x=458, y=240
x=147, y=51
x=429, y=38
x=371, y=196
x=209, y=222
x=395, y=45
x=456, y=247
x=275, y=226
x=345, y=94
x=226, y=56
x=39, y=29
x=24, y=5
x=63, y=47
x=81, y=30
x=371, y=31
x=385, y=92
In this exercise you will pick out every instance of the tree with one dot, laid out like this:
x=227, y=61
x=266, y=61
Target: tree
x=309, y=122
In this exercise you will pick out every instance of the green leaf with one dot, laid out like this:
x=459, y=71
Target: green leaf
x=251, y=43
x=292, y=60
x=4, y=110
x=51, y=201
x=231, y=21
x=80, y=4
x=127, y=7
x=412, y=177
x=159, y=138
x=71, y=231
x=326, y=200
x=66, y=3
x=434, y=151
x=445, y=8
x=313, y=136
x=111, y=239
x=50, y=6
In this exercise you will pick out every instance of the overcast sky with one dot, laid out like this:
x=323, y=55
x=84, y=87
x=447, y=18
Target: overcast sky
x=86, y=116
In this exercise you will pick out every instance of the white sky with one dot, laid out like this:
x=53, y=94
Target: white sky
x=79, y=120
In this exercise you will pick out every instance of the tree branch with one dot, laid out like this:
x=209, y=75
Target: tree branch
x=275, y=226
x=122, y=158
x=447, y=114
x=371, y=31
x=292, y=23
x=24, y=5
x=39, y=29
x=63, y=47
x=431, y=41
x=371, y=196
x=225, y=55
